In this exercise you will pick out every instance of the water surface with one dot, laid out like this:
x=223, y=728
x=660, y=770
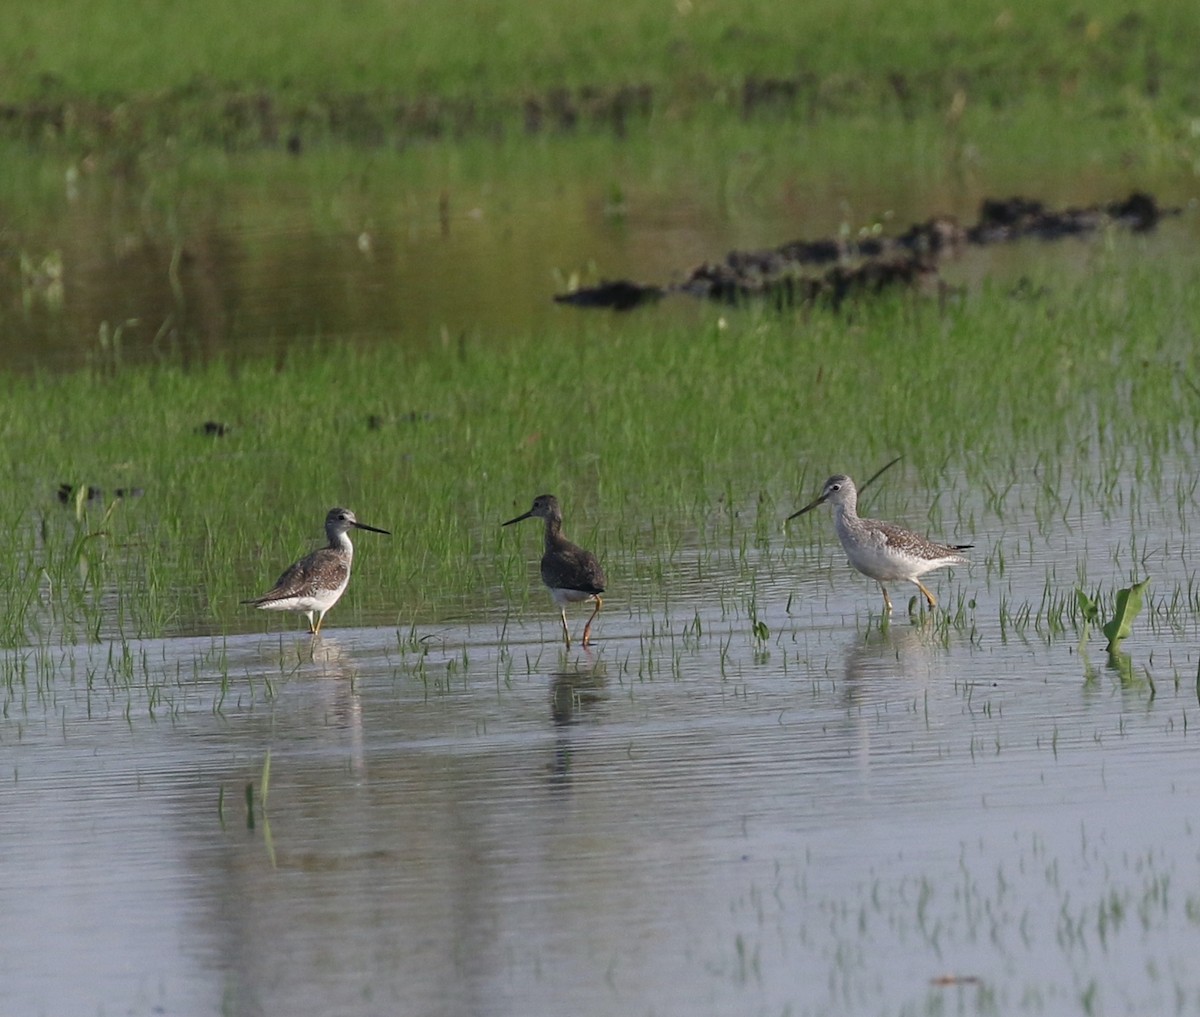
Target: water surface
x=284, y=254
x=844, y=817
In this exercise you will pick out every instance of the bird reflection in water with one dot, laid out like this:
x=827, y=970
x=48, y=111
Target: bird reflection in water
x=341, y=702
x=889, y=665
x=574, y=694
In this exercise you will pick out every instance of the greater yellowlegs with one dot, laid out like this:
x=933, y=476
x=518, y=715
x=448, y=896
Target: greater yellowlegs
x=315, y=583
x=572, y=574
x=884, y=551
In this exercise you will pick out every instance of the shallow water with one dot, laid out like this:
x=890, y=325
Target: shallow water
x=104, y=275
x=977, y=815
x=844, y=817
x=829, y=814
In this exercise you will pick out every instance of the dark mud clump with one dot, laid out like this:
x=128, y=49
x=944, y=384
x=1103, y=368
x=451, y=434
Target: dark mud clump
x=1001, y=220
x=850, y=268
x=621, y=295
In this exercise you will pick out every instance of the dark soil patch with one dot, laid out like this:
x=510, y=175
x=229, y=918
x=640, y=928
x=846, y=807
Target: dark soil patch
x=783, y=275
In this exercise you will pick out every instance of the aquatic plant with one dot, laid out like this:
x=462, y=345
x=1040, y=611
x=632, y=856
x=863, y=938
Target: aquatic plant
x=1128, y=605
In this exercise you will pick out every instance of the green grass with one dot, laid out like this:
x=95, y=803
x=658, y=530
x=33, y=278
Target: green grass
x=233, y=73
x=699, y=444
x=486, y=46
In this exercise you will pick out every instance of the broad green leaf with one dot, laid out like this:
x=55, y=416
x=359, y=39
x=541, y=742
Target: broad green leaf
x=1129, y=606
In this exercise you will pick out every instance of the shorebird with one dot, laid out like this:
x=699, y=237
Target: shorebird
x=571, y=574
x=315, y=583
x=883, y=551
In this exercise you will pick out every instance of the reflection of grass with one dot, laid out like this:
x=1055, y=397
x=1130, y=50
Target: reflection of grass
x=677, y=448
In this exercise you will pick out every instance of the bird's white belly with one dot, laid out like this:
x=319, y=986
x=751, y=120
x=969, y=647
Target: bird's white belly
x=564, y=597
x=316, y=600
x=873, y=557
x=877, y=563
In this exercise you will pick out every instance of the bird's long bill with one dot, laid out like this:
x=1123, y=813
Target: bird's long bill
x=373, y=529
x=527, y=515
x=819, y=500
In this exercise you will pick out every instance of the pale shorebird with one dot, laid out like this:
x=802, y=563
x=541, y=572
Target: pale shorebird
x=571, y=574
x=883, y=551
x=315, y=583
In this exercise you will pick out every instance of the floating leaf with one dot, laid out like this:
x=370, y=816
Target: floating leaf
x=1129, y=606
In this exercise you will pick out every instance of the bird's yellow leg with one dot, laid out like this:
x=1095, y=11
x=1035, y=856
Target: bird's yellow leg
x=316, y=629
x=587, y=629
x=928, y=596
x=566, y=631
x=887, y=601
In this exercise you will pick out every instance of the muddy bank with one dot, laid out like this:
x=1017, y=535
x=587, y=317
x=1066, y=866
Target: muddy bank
x=785, y=275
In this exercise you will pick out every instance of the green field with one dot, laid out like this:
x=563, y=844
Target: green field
x=105, y=73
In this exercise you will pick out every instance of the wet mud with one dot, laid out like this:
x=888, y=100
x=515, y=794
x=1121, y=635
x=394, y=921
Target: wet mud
x=832, y=270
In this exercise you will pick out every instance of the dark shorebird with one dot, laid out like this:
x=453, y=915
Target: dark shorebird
x=315, y=583
x=571, y=574
x=884, y=551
